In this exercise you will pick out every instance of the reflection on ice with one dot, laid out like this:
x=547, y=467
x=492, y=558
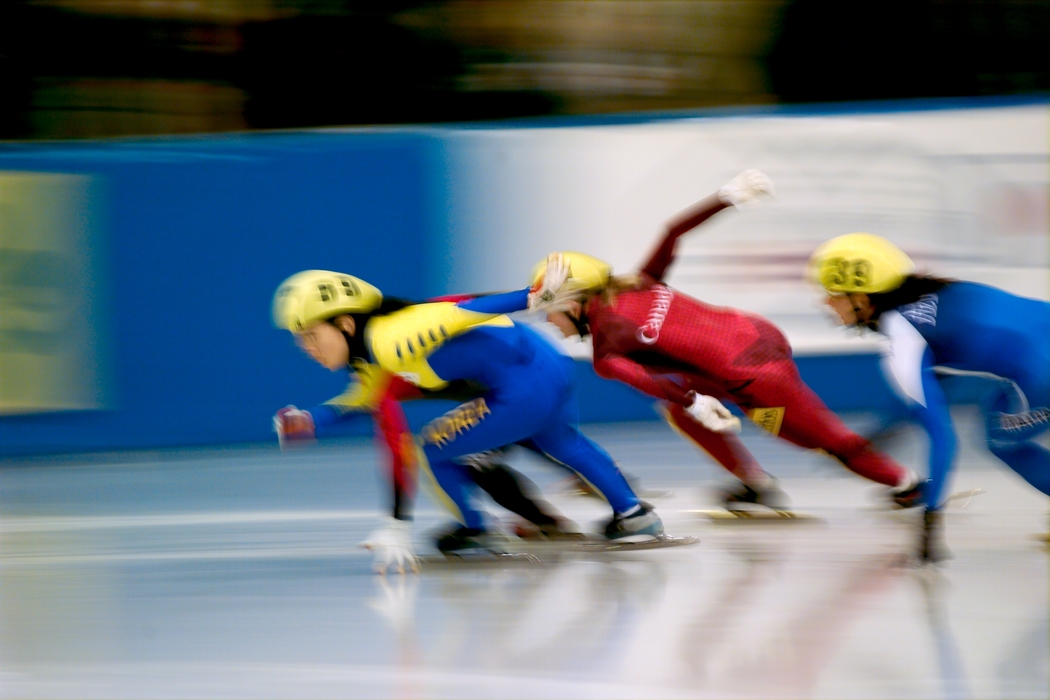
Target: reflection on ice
x=154, y=589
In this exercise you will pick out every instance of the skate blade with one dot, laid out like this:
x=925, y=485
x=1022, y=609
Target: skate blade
x=654, y=494
x=658, y=542
x=954, y=501
x=594, y=544
x=964, y=496
x=765, y=516
x=477, y=558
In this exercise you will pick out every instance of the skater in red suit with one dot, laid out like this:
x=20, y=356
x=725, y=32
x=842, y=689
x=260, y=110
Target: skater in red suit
x=693, y=356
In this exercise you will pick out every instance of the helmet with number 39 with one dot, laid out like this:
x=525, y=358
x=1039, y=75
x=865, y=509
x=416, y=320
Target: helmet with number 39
x=859, y=262
x=318, y=295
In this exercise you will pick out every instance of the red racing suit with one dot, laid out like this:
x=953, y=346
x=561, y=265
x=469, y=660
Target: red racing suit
x=670, y=345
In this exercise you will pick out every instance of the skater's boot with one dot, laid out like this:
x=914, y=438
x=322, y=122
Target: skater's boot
x=641, y=525
x=932, y=547
x=461, y=538
x=767, y=494
x=909, y=494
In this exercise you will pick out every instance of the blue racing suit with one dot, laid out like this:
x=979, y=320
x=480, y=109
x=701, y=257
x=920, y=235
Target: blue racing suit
x=972, y=328
x=527, y=391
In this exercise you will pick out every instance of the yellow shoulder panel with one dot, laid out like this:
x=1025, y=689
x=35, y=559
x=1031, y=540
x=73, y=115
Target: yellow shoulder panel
x=364, y=393
x=402, y=341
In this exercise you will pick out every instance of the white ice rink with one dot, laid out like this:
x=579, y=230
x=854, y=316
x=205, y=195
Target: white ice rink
x=234, y=573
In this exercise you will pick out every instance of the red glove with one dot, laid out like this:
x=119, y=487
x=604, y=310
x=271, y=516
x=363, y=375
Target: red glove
x=293, y=427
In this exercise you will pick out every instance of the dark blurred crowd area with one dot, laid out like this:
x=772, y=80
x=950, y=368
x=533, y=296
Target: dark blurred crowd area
x=96, y=68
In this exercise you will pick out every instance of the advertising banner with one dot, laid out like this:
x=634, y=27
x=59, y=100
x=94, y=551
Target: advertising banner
x=52, y=354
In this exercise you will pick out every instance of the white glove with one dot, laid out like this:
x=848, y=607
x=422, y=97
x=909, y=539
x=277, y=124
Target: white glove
x=391, y=547
x=550, y=295
x=710, y=413
x=746, y=188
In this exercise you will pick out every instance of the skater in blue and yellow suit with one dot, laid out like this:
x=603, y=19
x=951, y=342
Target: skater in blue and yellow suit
x=525, y=387
x=963, y=327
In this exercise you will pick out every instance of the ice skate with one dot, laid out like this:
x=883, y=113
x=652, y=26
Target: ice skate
x=765, y=500
x=769, y=495
x=462, y=539
x=746, y=502
x=907, y=496
x=640, y=530
x=644, y=525
x=468, y=545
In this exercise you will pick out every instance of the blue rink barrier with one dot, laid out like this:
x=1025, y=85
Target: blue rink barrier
x=189, y=238
x=197, y=234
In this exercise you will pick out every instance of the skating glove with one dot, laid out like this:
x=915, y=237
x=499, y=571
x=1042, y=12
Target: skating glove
x=710, y=413
x=746, y=188
x=391, y=547
x=549, y=296
x=293, y=427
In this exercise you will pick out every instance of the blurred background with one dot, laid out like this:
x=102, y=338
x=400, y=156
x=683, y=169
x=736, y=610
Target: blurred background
x=90, y=68
x=166, y=163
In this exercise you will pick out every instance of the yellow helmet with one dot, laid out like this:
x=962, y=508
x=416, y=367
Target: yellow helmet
x=317, y=295
x=586, y=274
x=859, y=262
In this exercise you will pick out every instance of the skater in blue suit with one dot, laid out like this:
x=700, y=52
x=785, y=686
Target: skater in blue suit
x=962, y=326
x=525, y=388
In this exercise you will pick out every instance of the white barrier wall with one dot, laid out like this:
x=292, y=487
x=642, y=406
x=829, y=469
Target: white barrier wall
x=965, y=192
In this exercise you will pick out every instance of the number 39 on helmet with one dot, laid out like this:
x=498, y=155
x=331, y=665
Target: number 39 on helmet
x=318, y=295
x=859, y=262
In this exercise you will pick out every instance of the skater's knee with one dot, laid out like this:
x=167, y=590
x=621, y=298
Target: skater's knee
x=848, y=450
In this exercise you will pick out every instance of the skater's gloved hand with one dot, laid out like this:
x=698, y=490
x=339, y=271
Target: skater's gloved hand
x=550, y=295
x=710, y=413
x=391, y=547
x=293, y=427
x=746, y=189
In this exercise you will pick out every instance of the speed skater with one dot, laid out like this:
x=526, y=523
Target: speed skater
x=693, y=356
x=526, y=387
x=963, y=327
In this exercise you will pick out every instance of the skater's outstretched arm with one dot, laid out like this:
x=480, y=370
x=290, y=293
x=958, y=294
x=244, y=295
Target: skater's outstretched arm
x=620, y=367
x=490, y=303
x=661, y=258
x=705, y=410
x=744, y=188
x=908, y=363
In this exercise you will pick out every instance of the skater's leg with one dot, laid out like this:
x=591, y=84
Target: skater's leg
x=725, y=448
x=456, y=489
x=475, y=426
x=1030, y=460
x=1013, y=437
x=570, y=447
x=511, y=489
x=809, y=423
x=396, y=440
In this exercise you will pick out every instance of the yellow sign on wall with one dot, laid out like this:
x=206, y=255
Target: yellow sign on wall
x=51, y=349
